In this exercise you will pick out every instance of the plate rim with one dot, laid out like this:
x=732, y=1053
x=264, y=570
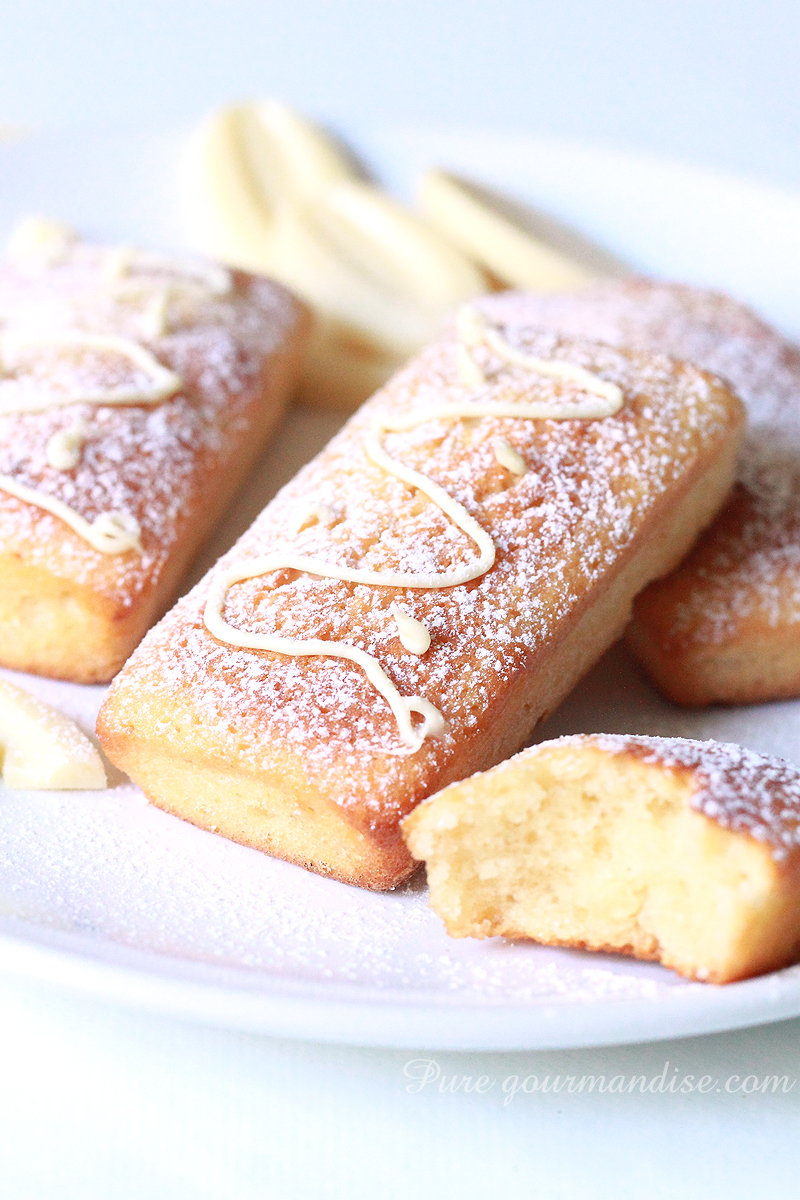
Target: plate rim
x=390, y=1018
x=358, y=1014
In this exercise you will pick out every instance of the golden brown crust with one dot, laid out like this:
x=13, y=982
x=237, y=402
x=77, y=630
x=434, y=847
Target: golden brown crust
x=723, y=627
x=66, y=609
x=604, y=506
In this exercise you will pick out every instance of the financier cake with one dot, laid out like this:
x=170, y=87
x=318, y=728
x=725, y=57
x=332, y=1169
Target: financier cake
x=136, y=390
x=423, y=592
x=724, y=626
x=680, y=851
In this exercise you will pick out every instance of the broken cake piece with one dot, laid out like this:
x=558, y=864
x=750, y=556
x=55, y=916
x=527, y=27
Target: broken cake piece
x=684, y=852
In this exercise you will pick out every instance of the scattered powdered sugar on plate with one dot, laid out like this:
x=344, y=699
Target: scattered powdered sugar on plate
x=111, y=868
x=122, y=872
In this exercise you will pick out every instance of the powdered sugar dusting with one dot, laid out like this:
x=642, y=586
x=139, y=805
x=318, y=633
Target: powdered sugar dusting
x=751, y=559
x=112, y=870
x=144, y=461
x=559, y=529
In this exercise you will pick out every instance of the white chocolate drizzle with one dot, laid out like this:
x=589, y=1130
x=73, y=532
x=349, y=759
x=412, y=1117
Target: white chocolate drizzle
x=154, y=320
x=82, y=337
x=20, y=393
x=468, y=370
x=155, y=281
x=474, y=330
x=63, y=451
x=138, y=270
x=413, y=635
x=109, y=532
x=508, y=457
x=604, y=400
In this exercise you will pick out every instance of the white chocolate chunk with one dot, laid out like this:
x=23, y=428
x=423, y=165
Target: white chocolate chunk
x=64, y=447
x=508, y=457
x=42, y=748
x=413, y=635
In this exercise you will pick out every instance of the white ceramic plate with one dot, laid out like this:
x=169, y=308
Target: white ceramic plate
x=102, y=894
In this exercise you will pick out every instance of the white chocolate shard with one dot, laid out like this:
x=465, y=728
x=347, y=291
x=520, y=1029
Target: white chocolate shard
x=413, y=635
x=508, y=457
x=272, y=193
x=514, y=242
x=42, y=748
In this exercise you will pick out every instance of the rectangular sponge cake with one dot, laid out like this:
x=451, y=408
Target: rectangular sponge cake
x=680, y=851
x=423, y=593
x=136, y=391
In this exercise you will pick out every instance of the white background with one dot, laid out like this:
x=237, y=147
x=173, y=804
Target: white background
x=96, y=1102
x=713, y=81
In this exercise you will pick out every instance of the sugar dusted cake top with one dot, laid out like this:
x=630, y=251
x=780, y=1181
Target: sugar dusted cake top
x=587, y=488
x=745, y=568
x=210, y=327
x=741, y=790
